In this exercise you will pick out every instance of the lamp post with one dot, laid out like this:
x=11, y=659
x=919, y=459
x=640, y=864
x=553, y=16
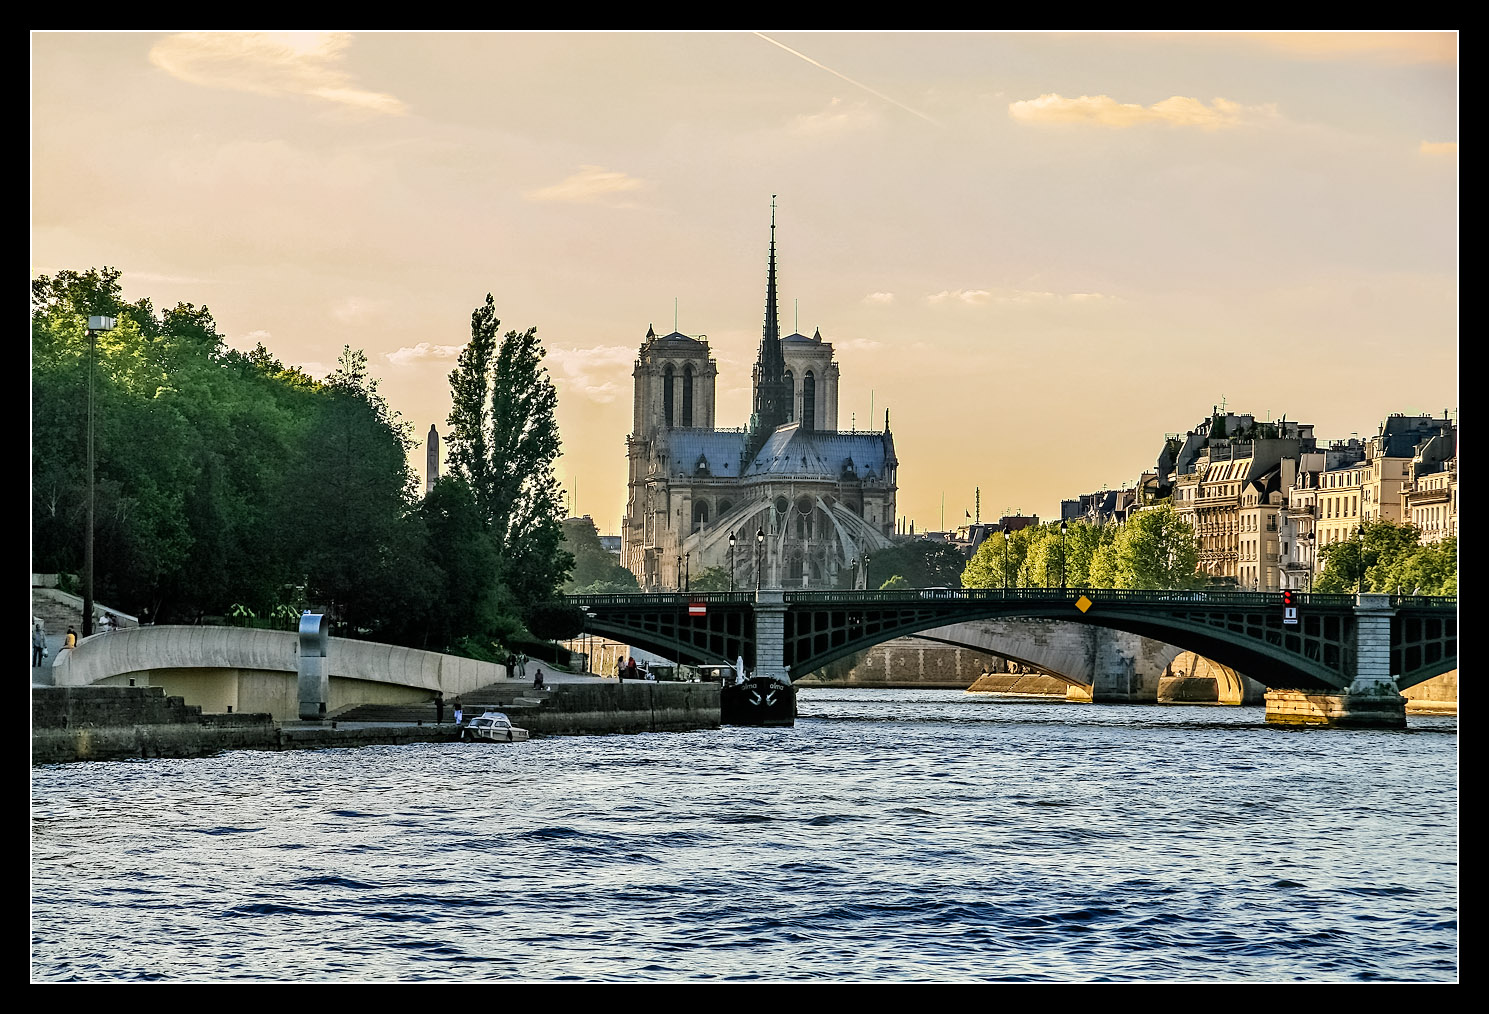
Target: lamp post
x=95, y=325
x=1063, y=524
x=759, y=548
x=687, y=570
x=677, y=575
x=1005, y=561
x=865, y=571
x=731, y=561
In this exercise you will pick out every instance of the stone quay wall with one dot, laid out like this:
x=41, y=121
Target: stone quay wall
x=120, y=723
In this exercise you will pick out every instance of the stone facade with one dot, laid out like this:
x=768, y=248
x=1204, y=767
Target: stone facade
x=787, y=501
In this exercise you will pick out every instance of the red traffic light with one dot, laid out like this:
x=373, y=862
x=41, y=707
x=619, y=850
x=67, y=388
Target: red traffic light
x=1287, y=598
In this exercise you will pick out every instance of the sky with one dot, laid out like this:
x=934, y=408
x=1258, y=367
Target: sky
x=1039, y=252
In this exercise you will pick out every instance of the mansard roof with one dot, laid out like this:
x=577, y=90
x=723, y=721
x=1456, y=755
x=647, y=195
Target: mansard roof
x=721, y=449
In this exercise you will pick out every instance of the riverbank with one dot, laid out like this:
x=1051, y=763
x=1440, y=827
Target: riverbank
x=118, y=723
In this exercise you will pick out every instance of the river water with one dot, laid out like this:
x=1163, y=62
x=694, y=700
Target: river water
x=890, y=836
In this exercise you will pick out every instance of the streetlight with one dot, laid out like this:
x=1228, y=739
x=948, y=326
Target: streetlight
x=759, y=548
x=865, y=571
x=731, y=561
x=687, y=569
x=1063, y=523
x=677, y=574
x=95, y=325
x=1005, y=561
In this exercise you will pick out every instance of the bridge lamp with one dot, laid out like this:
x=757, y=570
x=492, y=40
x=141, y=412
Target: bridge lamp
x=1005, y=560
x=759, y=548
x=687, y=566
x=1063, y=524
x=95, y=325
x=731, y=561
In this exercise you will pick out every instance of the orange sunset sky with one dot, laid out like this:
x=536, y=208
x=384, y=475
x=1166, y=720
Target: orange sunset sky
x=1040, y=252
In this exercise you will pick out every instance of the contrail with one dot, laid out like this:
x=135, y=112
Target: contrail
x=845, y=77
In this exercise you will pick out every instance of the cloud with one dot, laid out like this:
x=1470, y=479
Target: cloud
x=1439, y=148
x=1006, y=297
x=352, y=309
x=1105, y=111
x=271, y=63
x=598, y=373
x=592, y=184
x=973, y=296
x=862, y=344
x=257, y=336
x=835, y=119
x=424, y=352
x=881, y=298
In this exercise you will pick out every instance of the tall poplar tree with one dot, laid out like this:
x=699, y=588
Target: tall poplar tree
x=503, y=443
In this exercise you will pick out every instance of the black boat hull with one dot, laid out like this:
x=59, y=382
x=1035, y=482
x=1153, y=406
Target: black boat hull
x=758, y=701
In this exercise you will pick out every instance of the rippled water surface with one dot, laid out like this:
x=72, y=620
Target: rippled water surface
x=890, y=836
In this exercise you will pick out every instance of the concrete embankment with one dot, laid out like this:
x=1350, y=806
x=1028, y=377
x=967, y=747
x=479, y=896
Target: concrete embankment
x=118, y=723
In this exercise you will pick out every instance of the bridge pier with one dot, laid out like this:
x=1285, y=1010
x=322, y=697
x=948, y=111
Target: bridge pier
x=1116, y=675
x=1371, y=701
x=770, y=635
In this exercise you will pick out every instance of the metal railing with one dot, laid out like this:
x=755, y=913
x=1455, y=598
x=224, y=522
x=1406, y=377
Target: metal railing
x=1104, y=596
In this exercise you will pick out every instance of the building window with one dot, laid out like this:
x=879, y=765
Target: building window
x=687, y=395
x=808, y=401
x=667, y=378
x=790, y=396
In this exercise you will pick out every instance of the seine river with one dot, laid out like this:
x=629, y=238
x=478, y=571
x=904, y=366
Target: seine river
x=891, y=836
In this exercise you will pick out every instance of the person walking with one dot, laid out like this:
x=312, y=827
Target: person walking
x=439, y=708
x=620, y=668
x=457, y=712
x=38, y=644
x=631, y=672
x=521, y=666
x=511, y=665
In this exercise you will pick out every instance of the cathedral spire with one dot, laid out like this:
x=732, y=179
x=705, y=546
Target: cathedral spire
x=770, y=368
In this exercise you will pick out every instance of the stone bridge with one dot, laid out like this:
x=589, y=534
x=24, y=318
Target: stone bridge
x=233, y=669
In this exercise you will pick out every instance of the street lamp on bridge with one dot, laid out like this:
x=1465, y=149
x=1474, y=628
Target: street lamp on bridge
x=759, y=549
x=687, y=566
x=95, y=325
x=731, y=561
x=1063, y=523
x=1005, y=561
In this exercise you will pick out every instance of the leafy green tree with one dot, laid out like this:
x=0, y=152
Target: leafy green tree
x=1155, y=549
x=503, y=442
x=921, y=562
x=896, y=583
x=596, y=570
x=710, y=579
x=1388, y=556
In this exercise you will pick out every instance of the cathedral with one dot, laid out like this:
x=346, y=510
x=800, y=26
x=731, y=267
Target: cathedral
x=788, y=501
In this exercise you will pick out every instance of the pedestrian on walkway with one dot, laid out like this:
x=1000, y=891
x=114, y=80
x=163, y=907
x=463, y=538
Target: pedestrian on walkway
x=631, y=672
x=38, y=644
x=511, y=665
x=439, y=708
x=521, y=666
x=71, y=641
x=457, y=712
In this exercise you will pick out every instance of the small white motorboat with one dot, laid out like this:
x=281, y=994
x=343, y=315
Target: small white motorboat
x=493, y=727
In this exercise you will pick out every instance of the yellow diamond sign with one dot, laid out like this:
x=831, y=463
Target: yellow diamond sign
x=1083, y=603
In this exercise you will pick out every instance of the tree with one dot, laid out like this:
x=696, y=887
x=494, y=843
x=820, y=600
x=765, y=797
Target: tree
x=920, y=562
x=1388, y=556
x=596, y=570
x=1155, y=549
x=503, y=442
x=709, y=579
